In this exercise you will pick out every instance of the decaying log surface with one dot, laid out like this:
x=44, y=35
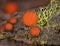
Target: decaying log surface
x=27, y=4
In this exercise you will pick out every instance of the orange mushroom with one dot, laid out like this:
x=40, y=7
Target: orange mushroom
x=13, y=20
x=30, y=18
x=35, y=31
x=9, y=27
x=11, y=7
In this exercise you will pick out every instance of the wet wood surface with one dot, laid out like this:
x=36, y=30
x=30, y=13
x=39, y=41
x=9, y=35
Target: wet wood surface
x=26, y=4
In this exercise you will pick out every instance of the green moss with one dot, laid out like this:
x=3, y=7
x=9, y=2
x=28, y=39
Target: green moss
x=46, y=13
x=3, y=35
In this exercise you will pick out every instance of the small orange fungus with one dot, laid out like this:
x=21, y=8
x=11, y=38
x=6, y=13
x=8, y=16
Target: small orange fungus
x=35, y=31
x=30, y=18
x=9, y=26
x=11, y=7
x=13, y=20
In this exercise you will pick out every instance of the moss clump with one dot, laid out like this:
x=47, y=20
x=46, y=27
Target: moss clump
x=46, y=13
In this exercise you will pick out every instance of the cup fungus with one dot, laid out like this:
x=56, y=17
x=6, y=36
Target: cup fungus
x=11, y=7
x=35, y=31
x=13, y=20
x=9, y=27
x=30, y=18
